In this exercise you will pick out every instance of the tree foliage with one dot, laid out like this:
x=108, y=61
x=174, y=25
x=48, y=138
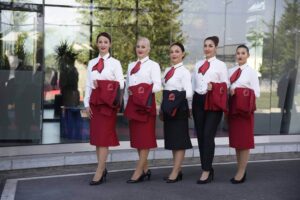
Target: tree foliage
x=281, y=54
x=126, y=20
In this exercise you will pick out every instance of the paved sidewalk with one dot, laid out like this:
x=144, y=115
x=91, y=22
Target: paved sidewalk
x=266, y=180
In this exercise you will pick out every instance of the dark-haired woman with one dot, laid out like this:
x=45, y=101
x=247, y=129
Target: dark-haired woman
x=244, y=90
x=210, y=75
x=175, y=108
x=142, y=82
x=104, y=80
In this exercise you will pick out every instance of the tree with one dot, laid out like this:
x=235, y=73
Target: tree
x=255, y=37
x=126, y=20
x=282, y=54
x=17, y=48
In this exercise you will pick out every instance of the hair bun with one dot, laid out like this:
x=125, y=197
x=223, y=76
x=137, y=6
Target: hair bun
x=215, y=39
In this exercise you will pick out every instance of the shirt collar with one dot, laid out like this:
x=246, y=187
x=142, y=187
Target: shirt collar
x=211, y=59
x=243, y=66
x=178, y=65
x=144, y=59
x=105, y=57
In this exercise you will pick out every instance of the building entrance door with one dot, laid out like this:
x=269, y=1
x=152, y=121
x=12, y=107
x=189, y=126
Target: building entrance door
x=21, y=73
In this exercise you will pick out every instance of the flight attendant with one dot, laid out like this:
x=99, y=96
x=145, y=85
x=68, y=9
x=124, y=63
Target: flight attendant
x=104, y=80
x=210, y=76
x=143, y=80
x=176, y=109
x=244, y=90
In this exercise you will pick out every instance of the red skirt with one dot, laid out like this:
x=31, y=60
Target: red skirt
x=241, y=131
x=103, y=128
x=142, y=134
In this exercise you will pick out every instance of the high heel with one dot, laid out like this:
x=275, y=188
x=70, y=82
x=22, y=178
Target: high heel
x=178, y=178
x=101, y=180
x=233, y=181
x=140, y=179
x=167, y=177
x=209, y=179
x=148, y=174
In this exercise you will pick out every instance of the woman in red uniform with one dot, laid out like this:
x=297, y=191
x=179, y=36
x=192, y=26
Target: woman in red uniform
x=210, y=75
x=244, y=90
x=175, y=109
x=143, y=80
x=104, y=80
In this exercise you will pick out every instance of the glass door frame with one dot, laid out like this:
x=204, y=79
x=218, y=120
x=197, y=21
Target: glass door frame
x=39, y=9
x=39, y=53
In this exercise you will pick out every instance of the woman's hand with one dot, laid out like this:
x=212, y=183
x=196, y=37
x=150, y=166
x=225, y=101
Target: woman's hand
x=232, y=92
x=209, y=86
x=89, y=112
x=95, y=83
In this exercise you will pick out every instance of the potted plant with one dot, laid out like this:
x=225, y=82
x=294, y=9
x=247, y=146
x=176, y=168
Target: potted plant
x=68, y=74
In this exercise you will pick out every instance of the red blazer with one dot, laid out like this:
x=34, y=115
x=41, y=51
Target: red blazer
x=216, y=99
x=242, y=102
x=106, y=96
x=141, y=102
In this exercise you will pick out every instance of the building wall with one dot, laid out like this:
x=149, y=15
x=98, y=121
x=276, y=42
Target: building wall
x=30, y=77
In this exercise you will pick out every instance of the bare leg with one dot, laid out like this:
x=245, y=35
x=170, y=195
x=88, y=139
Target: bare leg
x=98, y=153
x=142, y=163
x=178, y=157
x=102, y=153
x=242, y=159
x=145, y=168
x=238, y=156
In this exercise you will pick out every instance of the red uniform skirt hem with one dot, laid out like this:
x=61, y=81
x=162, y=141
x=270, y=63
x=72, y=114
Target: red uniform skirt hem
x=241, y=131
x=142, y=134
x=103, y=128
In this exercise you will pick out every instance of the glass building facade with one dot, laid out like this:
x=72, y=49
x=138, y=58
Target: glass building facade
x=45, y=46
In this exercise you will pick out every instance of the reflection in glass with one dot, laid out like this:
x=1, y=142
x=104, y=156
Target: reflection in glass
x=65, y=2
x=23, y=1
x=114, y=3
x=99, y=3
x=20, y=78
x=285, y=67
x=64, y=25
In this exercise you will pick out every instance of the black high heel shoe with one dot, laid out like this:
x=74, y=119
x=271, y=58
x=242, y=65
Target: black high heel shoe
x=178, y=178
x=148, y=174
x=101, y=180
x=140, y=179
x=209, y=179
x=167, y=177
x=233, y=181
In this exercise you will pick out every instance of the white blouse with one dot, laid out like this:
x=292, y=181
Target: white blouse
x=112, y=71
x=216, y=73
x=247, y=79
x=181, y=81
x=149, y=73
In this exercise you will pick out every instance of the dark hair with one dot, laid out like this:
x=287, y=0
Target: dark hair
x=215, y=39
x=179, y=44
x=243, y=46
x=104, y=34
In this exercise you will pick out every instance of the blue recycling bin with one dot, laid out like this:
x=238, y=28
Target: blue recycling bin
x=73, y=125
